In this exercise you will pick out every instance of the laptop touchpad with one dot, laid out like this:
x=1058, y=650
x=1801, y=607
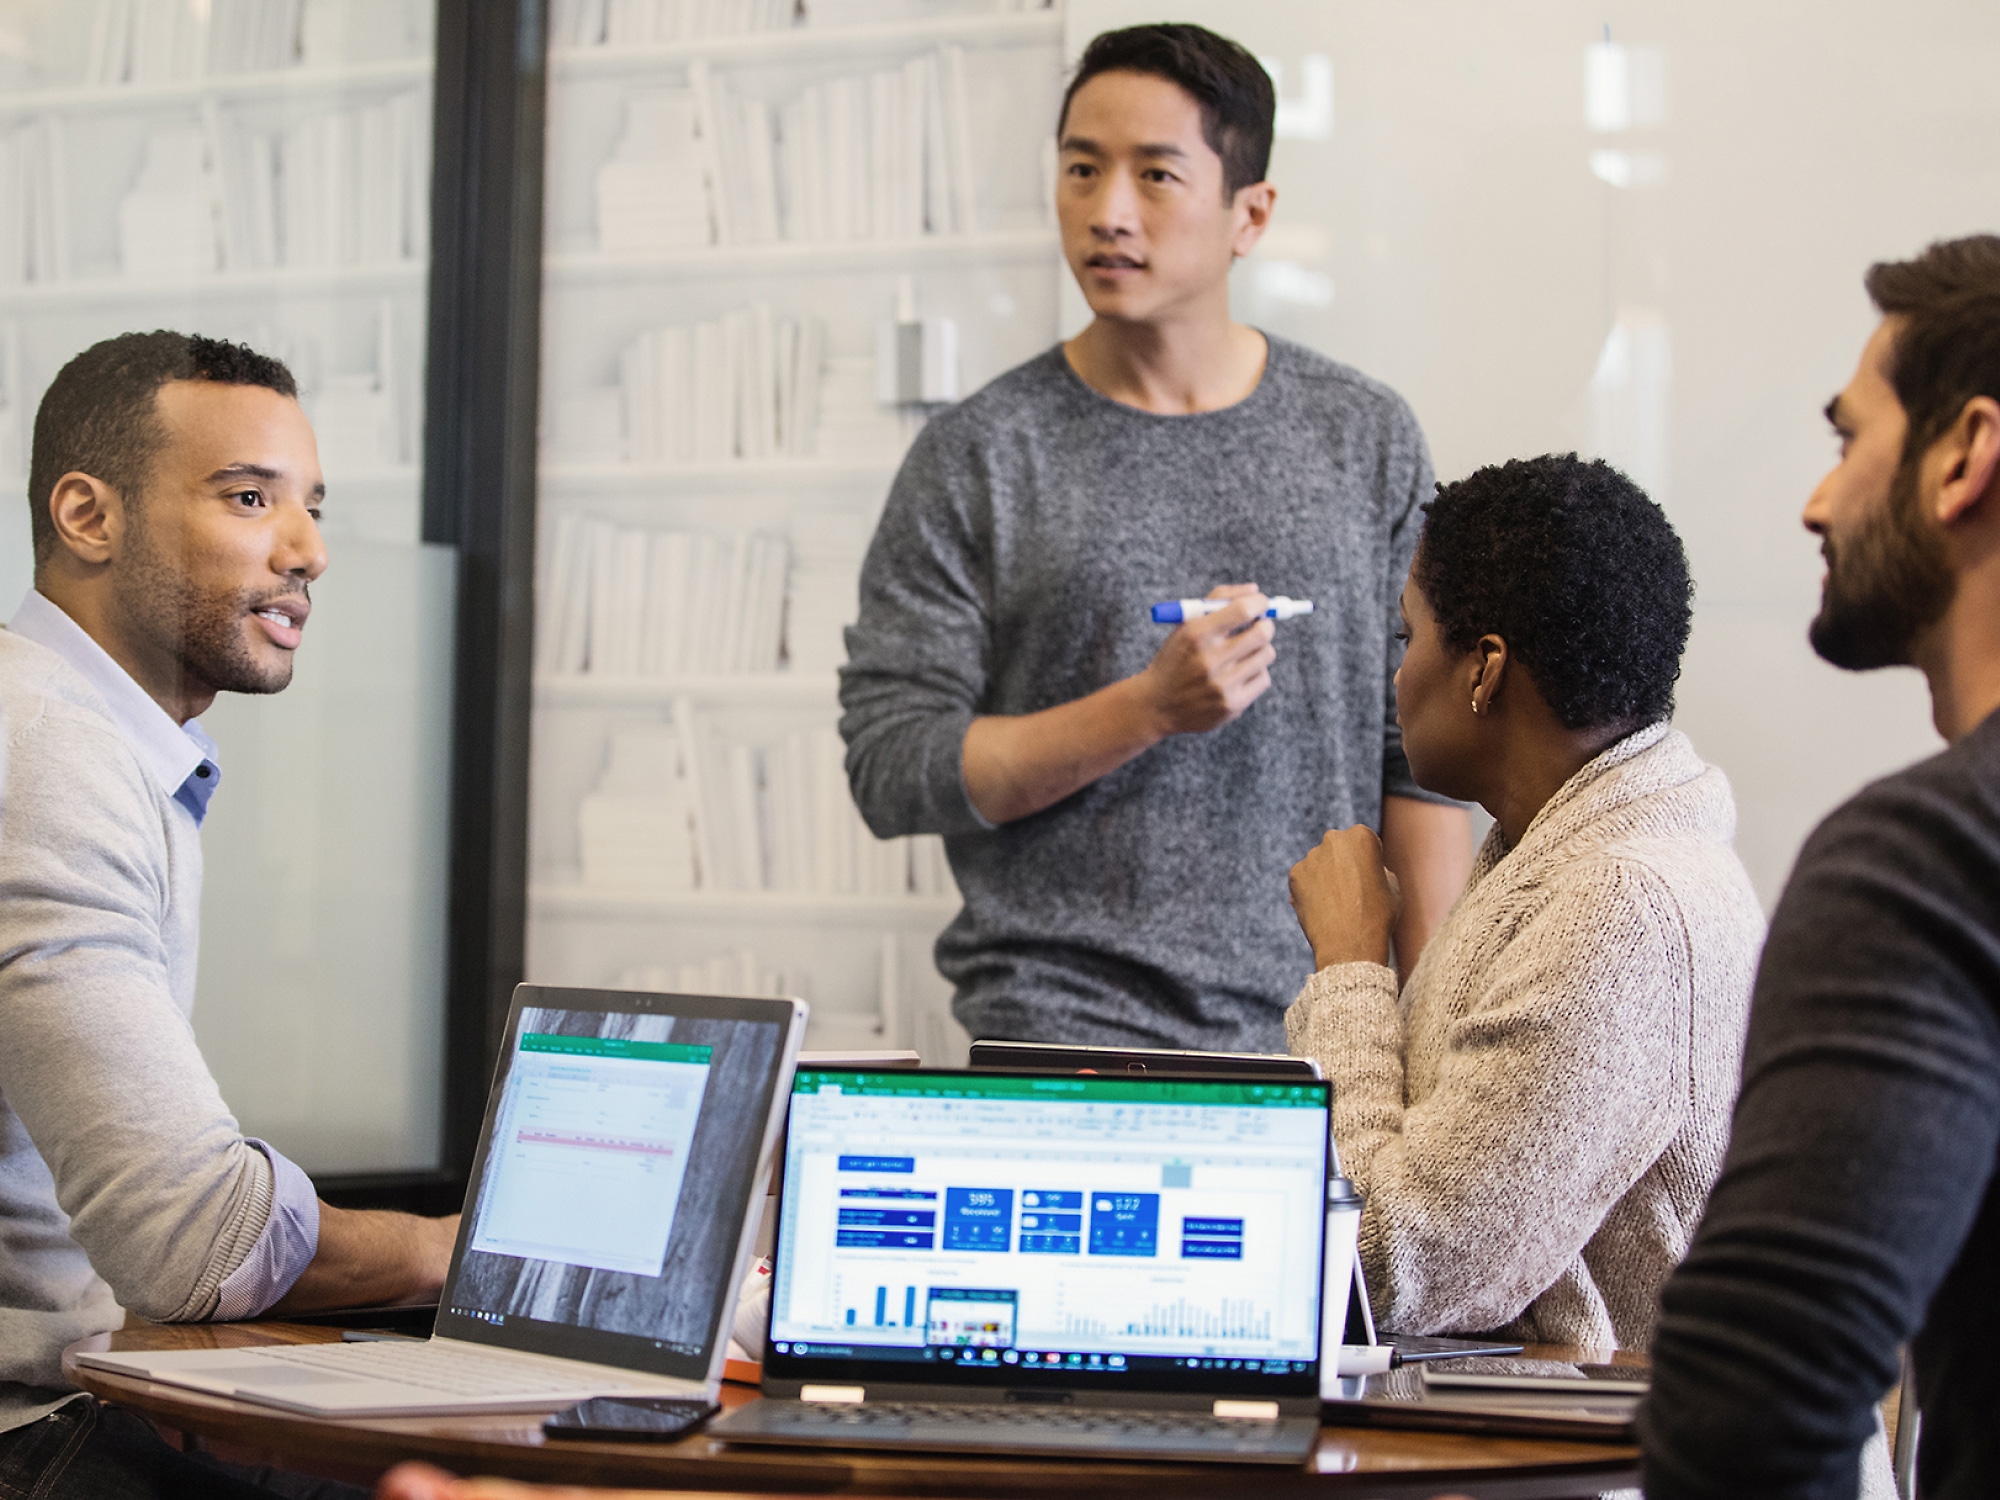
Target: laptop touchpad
x=271, y=1373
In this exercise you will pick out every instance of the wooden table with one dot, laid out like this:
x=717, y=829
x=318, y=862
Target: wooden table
x=1377, y=1462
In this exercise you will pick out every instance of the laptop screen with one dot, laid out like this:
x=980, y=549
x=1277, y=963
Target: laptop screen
x=1011, y=1229
x=621, y=1147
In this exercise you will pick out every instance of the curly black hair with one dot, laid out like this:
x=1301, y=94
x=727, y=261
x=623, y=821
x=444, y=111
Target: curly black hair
x=98, y=415
x=1583, y=576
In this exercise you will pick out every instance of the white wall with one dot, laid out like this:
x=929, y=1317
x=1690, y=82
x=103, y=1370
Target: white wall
x=1447, y=234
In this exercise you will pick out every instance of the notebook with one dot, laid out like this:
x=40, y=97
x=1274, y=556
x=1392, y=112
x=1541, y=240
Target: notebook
x=605, y=1232
x=1034, y=1263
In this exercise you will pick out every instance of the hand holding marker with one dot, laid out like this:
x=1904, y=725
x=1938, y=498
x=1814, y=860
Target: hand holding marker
x=1214, y=663
x=1175, y=611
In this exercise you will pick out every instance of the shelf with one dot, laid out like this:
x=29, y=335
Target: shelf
x=737, y=474
x=757, y=689
x=809, y=42
x=216, y=286
x=278, y=83
x=575, y=901
x=588, y=267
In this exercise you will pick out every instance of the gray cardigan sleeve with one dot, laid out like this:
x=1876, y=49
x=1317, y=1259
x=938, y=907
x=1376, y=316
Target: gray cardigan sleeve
x=161, y=1189
x=918, y=656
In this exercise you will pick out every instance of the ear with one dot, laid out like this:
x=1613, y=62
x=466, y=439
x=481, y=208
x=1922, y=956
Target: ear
x=1251, y=208
x=1489, y=671
x=1968, y=460
x=89, y=517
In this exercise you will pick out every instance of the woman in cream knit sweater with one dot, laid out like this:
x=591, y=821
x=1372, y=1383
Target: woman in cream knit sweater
x=1537, y=1118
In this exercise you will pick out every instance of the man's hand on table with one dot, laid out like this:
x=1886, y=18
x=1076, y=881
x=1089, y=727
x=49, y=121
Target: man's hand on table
x=1346, y=899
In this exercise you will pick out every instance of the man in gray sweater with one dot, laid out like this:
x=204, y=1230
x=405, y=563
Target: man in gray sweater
x=176, y=490
x=1121, y=801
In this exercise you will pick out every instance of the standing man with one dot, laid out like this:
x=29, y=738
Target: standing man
x=1121, y=802
x=176, y=491
x=1858, y=1209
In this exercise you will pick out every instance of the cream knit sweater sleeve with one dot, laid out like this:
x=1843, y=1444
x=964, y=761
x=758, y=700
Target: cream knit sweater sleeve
x=1560, y=1074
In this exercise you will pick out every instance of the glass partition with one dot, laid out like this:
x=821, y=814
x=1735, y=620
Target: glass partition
x=259, y=170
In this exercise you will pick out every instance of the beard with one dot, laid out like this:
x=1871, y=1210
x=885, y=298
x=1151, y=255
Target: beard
x=1887, y=582
x=201, y=630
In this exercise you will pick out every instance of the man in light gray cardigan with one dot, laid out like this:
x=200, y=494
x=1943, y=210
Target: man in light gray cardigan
x=176, y=491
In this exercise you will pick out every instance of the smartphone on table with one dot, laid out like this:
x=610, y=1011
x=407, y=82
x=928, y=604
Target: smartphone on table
x=630, y=1420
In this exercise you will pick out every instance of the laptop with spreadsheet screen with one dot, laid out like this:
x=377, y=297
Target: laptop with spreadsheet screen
x=986, y=1261
x=607, y=1227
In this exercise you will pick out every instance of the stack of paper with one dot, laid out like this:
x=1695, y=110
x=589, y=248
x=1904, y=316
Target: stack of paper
x=653, y=194
x=826, y=562
x=357, y=417
x=745, y=385
x=34, y=206
x=151, y=41
x=622, y=602
x=636, y=828
x=854, y=425
x=167, y=222
x=640, y=23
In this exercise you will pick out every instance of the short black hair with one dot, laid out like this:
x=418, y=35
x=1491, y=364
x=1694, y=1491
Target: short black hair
x=1238, y=104
x=1948, y=348
x=1582, y=575
x=99, y=416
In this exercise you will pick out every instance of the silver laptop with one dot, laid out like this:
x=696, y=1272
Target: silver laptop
x=607, y=1228
x=1027, y=1263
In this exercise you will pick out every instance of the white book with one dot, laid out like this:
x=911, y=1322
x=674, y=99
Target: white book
x=708, y=129
x=706, y=874
x=958, y=132
x=730, y=610
x=885, y=148
x=910, y=156
x=603, y=592
x=940, y=203
x=846, y=151
x=714, y=413
x=671, y=560
x=749, y=833
x=760, y=174
x=573, y=625
x=551, y=588
x=14, y=222
x=811, y=361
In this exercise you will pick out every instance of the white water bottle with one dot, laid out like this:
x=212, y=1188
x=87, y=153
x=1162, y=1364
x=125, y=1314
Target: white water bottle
x=1343, y=1243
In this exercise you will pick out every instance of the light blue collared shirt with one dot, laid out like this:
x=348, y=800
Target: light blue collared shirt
x=181, y=758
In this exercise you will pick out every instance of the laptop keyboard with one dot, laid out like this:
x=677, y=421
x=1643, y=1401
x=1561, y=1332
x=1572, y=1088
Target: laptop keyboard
x=450, y=1370
x=1111, y=1433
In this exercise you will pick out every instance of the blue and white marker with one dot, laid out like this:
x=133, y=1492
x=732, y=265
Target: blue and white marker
x=1174, y=611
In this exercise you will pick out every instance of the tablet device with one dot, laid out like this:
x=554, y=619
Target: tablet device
x=1054, y=1057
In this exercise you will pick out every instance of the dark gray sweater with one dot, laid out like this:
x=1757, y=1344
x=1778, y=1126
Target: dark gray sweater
x=1027, y=534
x=1857, y=1208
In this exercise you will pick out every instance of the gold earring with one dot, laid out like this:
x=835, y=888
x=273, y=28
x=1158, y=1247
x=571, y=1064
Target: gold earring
x=1475, y=703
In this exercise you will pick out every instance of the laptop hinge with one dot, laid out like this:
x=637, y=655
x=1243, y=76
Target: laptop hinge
x=1248, y=1411
x=836, y=1395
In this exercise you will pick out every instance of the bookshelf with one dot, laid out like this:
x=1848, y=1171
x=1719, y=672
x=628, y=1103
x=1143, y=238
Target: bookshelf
x=155, y=158
x=730, y=220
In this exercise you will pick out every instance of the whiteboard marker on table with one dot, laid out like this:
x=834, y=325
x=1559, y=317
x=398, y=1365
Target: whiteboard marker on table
x=1174, y=611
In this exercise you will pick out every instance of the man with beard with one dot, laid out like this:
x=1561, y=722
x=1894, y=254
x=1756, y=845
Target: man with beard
x=1857, y=1210
x=176, y=491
